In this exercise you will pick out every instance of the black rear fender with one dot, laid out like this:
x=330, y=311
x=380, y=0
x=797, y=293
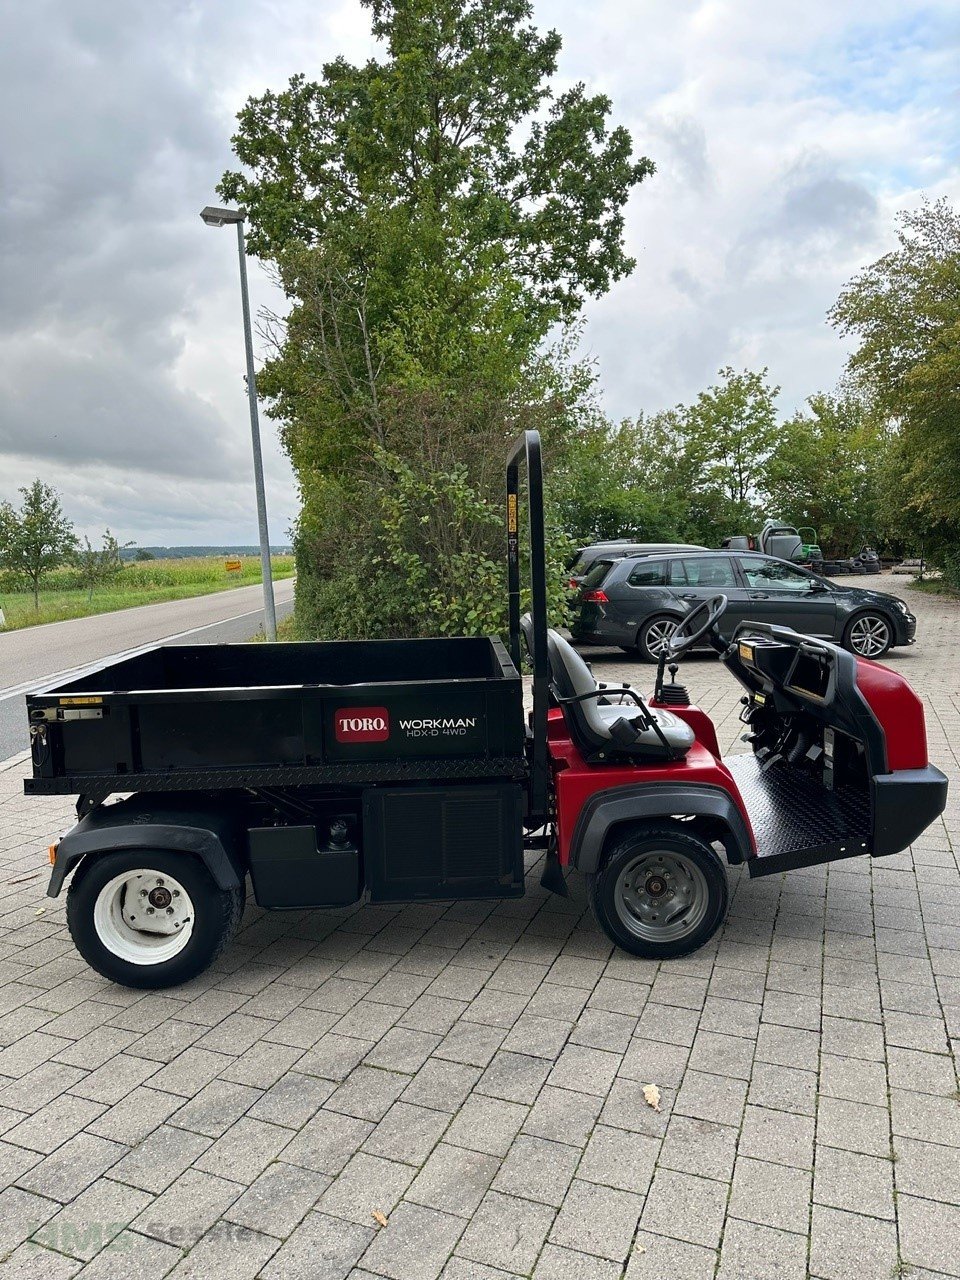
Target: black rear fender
x=209, y=832
x=711, y=811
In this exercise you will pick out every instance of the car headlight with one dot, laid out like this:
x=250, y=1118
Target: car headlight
x=901, y=605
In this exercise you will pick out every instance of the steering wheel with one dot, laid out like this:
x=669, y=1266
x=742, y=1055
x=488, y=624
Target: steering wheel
x=696, y=625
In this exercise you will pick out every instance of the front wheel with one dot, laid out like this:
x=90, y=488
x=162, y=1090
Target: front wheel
x=660, y=893
x=150, y=919
x=869, y=635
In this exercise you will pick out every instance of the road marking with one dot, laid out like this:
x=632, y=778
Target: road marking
x=40, y=682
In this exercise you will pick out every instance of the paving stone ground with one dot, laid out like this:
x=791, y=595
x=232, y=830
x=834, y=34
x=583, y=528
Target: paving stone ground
x=475, y=1073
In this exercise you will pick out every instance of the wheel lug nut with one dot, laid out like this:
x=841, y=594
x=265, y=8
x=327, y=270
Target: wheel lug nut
x=150, y=911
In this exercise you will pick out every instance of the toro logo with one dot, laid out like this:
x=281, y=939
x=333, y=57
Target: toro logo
x=362, y=724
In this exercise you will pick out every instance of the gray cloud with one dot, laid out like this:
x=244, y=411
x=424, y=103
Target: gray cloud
x=117, y=141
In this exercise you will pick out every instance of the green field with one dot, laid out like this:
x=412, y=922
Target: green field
x=139, y=582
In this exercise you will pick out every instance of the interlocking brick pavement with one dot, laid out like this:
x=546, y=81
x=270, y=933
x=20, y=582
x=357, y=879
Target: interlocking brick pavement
x=475, y=1072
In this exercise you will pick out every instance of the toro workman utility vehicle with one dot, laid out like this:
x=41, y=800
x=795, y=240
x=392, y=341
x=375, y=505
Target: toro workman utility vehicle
x=406, y=770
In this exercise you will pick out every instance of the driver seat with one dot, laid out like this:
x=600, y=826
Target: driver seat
x=604, y=731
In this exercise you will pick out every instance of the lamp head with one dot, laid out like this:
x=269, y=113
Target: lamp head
x=215, y=217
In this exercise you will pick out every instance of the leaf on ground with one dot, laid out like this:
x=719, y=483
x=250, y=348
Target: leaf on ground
x=379, y=1217
x=39, y=911
x=651, y=1096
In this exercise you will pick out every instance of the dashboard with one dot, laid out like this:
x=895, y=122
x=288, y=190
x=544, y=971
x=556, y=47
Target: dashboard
x=799, y=666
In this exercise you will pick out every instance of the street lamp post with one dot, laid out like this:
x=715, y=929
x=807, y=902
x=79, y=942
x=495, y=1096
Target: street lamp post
x=214, y=217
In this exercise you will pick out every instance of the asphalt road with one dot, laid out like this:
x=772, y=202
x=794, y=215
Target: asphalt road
x=34, y=655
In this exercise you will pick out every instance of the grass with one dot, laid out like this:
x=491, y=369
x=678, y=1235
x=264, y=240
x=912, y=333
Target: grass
x=286, y=631
x=139, y=582
x=933, y=587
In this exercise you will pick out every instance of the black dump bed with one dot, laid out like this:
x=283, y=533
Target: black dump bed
x=181, y=717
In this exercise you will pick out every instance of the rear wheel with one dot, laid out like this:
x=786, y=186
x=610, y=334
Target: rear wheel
x=869, y=635
x=150, y=919
x=661, y=892
x=654, y=636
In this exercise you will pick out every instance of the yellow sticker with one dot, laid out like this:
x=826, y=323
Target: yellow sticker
x=92, y=700
x=760, y=699
x=511, y=513
x=746, y=652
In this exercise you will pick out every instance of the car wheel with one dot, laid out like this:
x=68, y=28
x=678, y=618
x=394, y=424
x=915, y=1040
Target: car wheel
x=660, y=893
x=148, y=919
x=654, y=635
x=869, y=635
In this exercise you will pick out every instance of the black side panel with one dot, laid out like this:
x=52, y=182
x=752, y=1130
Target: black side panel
x=904, y=805
x=290, y=868
x=607, y=809
x=443, y=842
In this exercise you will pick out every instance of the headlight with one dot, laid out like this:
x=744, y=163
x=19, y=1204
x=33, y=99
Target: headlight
x=902, y=606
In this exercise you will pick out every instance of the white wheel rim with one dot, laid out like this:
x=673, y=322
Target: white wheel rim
x=144, y=917
x=869, y=636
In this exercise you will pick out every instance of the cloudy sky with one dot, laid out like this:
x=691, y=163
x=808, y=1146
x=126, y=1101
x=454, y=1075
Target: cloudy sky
x=786, y=135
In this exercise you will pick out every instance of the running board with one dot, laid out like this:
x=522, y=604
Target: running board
x=772, y=863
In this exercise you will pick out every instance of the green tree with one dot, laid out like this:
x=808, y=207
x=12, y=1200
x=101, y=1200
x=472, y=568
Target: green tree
x=729, y=432
x=828, y=469
x=432, y=215
x=459, y=132
x=606, y=488
x=99, y=566
x=704, y=463
x=904, y=310
x=36, y=538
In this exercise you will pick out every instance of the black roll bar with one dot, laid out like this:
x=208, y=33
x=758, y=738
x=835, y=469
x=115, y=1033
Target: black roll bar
x=528, y=446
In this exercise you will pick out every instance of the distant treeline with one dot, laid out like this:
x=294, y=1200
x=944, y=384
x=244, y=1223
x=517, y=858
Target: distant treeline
x=182, y=553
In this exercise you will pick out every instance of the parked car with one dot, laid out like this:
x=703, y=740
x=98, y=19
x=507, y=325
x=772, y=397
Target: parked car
x=636, y=602
x=586, y=557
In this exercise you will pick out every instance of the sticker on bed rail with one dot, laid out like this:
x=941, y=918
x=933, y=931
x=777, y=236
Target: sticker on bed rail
x=362, y=724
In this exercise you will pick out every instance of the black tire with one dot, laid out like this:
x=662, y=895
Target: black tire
x=657, y=847
x=645, y=636
x=869, y=634
x=214, y=916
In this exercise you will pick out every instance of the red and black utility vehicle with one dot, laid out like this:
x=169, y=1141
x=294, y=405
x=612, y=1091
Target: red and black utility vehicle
x=407, y=770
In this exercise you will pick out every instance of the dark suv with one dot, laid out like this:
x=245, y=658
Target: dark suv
x=636, y=602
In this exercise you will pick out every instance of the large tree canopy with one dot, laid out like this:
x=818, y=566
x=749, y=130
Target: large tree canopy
x=905, y=311
x=432, y=215
x=458, y=130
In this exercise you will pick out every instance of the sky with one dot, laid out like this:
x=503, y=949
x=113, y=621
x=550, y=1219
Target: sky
x=786, y=137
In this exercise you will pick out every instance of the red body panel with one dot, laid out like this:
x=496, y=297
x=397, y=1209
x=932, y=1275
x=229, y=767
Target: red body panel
x=575, y=781
x=699, y=722
x=899, y=712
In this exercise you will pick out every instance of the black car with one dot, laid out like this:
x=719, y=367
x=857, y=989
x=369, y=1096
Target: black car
x=636, y=602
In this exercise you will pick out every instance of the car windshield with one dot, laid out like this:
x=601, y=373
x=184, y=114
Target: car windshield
x=597, y=573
